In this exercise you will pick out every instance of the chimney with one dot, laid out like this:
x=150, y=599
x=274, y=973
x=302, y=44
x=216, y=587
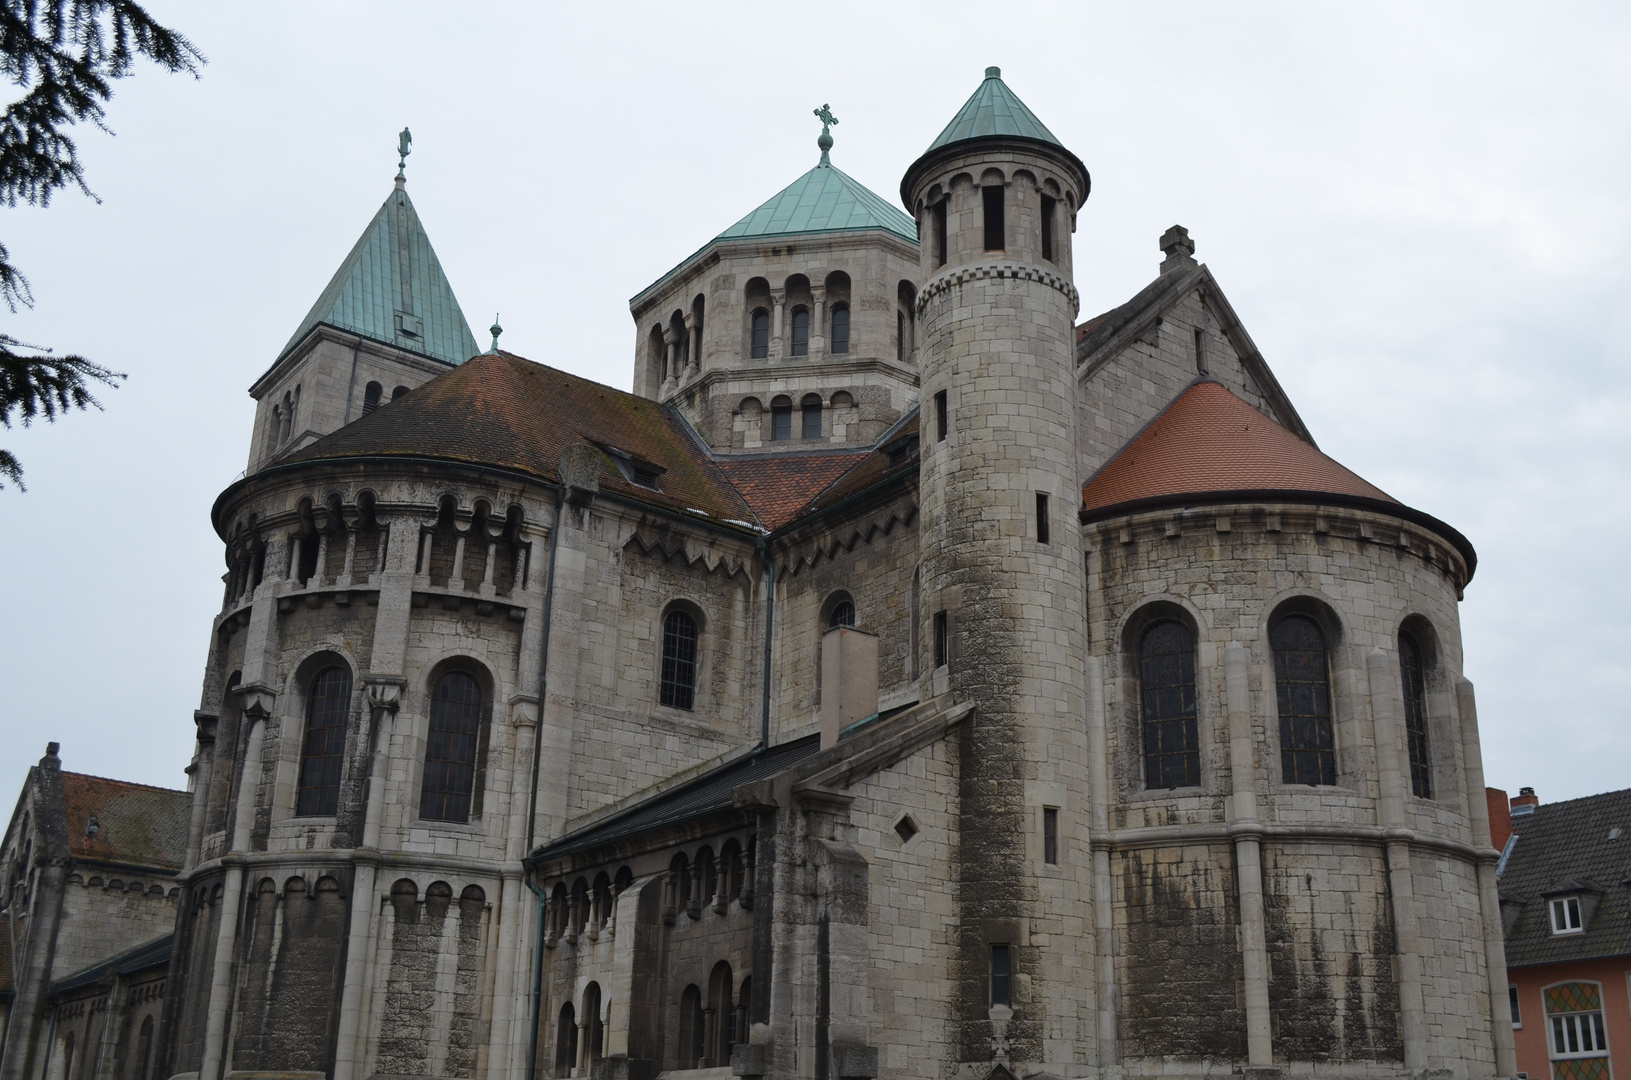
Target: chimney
x=849, y=680
x=1525, y=802
x=1500, y=818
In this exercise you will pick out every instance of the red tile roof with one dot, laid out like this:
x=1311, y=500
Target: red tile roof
x=1209, y=440
x=777, y=488
x=136, y=825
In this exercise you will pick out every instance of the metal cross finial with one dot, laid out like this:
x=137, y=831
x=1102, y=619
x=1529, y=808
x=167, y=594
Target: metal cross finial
x=404, y=147
x=497, y=330
x=824, y=114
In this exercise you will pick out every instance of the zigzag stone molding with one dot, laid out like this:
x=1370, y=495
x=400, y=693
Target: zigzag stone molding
x=943, y=284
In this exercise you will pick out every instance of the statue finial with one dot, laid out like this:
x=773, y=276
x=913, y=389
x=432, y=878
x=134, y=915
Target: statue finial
x=824, y=114
x=404, y=147
x=497, y=330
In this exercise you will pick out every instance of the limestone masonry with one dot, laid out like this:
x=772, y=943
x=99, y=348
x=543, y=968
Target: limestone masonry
x=910, y=679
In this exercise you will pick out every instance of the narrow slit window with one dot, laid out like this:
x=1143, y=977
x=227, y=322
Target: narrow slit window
x=1002, y=975
x=1512, y=1003
x=940, y=417
x=900, y=337
x=371, y=396
x=1048, y=204
x=759, y=348
x=810, y=416
x=1200, y=351
x=801, y=332
x=940, y=230
x=1043, y=529
x=941, y=642
x=840, y=328
x=1050, y=835
x=781, y=422
x=992, y=197
x=1415, y=716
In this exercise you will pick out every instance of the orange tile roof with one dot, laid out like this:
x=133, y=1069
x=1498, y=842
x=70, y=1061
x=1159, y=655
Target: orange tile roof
x=1208, y=440
x=136, y=825
x=778, y=487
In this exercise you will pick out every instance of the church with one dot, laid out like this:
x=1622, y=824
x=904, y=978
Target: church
x=914, y=677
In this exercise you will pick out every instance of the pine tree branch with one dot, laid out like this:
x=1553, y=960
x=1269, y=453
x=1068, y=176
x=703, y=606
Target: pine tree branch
x=36, y=386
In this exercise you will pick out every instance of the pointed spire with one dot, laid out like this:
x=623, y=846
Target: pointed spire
x=497, y=330
x=404, y=147
x=828, y=120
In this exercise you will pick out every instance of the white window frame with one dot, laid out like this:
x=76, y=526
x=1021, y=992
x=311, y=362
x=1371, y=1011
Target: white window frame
x=1585, y=1027
x=1515, y=1003
x=1566, y=915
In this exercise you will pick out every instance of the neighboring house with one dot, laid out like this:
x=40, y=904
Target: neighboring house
x=88, y=906
x=1565, y=885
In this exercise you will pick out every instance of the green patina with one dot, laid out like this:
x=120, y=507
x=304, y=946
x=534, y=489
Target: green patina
x=825, y=199
x=391, y=289
x=994, y=110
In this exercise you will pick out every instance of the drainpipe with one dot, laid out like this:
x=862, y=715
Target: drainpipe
x=537, y=974
x=770, y=619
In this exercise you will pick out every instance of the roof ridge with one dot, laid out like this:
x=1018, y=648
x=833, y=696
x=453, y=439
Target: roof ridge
x=1122, y=449
x=127, y=783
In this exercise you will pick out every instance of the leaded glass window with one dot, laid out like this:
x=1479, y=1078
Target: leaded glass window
x=1575, y=1033
x=450, y=752
x=1172, y=754
x=761, y=335
x=801, y=332
x=1415, y=716
x=1303, y=685
x=840, y=328
x=679, y=675
x=324, y=752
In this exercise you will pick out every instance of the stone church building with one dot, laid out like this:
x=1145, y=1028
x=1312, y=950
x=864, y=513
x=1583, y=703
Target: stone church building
x=909, y=679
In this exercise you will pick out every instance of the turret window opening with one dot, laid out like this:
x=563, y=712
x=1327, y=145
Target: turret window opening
x=1002, y=975
x=452, y=749
x=1167, y=704
x=781, y=419
x=992, y=196
x=1415, y=715
x=940, y=416
x=1044, y=530
x=942, y=640
x=1049, y=212
x=900, y=337
x=371, y=396
x=323, y=752
x=840, y=328
x=679, y=671
x=1200, y=351
x=1303, y=687
x=1050, y=835
x=801, y=332
x=939, y=214
x=810, y=410
x=760, y=346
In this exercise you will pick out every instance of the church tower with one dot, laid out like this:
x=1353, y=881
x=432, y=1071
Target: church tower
x=995, y=197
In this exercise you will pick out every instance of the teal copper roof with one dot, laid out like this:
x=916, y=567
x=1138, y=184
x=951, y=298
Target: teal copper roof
x=993, y=110
x=825, y=199
x=391, y=289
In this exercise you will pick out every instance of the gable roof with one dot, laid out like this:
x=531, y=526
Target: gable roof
x=390, y=272
x=136, y=825
x=778, y=486
x=993, y=109
x=1565, y=847
x=825, y=199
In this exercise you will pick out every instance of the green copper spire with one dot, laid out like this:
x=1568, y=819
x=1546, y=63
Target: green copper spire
x=496, y=330
x=828, y=120
x=993, y=110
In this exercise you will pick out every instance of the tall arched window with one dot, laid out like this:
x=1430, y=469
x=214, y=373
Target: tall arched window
x=371, y=396
x=900, y=337
x=691, y=1027
x=720, y=1012
x=324, y=752
x=1303, y=684
x=810, y=412
x=451, y=749
x=840, y=328
x=679, y=675
x=68, y=1057
x=594, y=1034
x=1415, y=715
x=566, y=1041
x=781, y=418
x=761, y=335
x=801, y=332
x=1172, y=746
x=144, y=1049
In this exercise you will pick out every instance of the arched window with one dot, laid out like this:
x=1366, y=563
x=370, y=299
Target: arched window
x=371, y=396
x=801, y=332
x=691, y=1027
x=781, y=418
x=843, y=614
x=144, y=1049
x=594, y=1033
x=1303, y=684
x=744, y=1002
x=320, y=759
x=900, y=337
x=1172, y=747
x=810, y=410
x=679, y=675
x=1415, y=715
x=398, y=392
x=761, y=335
x=840, y=328
x=451, y=749
x=721, y=1011
x=566, y=1041
x=68, y=1057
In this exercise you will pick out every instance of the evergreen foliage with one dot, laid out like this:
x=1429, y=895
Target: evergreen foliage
x=63, y=55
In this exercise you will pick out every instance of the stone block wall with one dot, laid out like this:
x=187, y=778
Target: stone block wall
x=293, y=952
x=105, y=912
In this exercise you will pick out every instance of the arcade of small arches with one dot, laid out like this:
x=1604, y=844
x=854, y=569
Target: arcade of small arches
x=817, y=420
x=1008, y=222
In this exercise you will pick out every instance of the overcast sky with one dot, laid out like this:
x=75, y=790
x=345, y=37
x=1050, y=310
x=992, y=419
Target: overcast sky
x=1419, y=211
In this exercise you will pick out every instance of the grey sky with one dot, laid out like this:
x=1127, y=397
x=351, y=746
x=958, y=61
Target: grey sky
x=1419, y=211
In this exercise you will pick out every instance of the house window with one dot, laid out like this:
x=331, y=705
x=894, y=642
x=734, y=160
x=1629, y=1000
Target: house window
x=450, y=752
x=781, y=419
x=992, y=196
x=679, y=675
x=941, y=639
x=1002, y=974
x=1172, y=748
x=371, y=396
x=1578, y=1041
x=1048, y=204
x=810, y=416
x=1303, y=685
x=801, y=332
x=1050, y=835
x=760, y=348
x=939, y=214
x=1512, y=1003
x=324, y=750
x=940, y=417
x=840, y=328
x=1566, y=915
x=1415, y=715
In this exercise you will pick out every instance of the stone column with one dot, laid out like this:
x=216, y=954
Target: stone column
x=1248, y=831
x=670, y=376
x=693, y=332
x=513, y=920
x=778, y=317
x=1384, y=722
x=818, y=323
x=202, y=773
x=1489, y=901
x=1098, y=756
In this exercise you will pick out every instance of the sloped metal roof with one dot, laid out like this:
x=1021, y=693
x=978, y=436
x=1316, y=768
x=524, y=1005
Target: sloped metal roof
x=825, y=199
x=993, y=110
x=392, y=283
